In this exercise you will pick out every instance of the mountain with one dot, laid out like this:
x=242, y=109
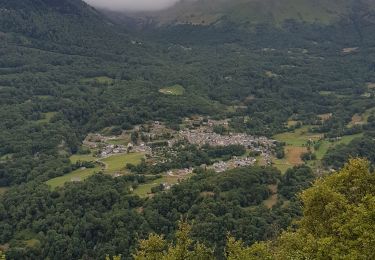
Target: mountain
x=250, y=12
x=68, y=21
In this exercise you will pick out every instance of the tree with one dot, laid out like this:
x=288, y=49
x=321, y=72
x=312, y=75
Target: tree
x=337, y=220
x=2, y=255
x=157, y=248
x=236, y=250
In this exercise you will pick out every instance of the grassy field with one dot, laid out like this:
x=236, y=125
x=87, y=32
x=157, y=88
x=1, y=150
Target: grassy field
x=120, y=141
x=82, y=157
x=360, y=119
x=118, y=162
x=282, y=164
x=295, y=146
x=6, y=157
x=3, y=190
x=47, y=117
x=176, y=90
x=100, y=80
x=144, y=190
x=293, y=154
x=299, y=137
x=79, y=175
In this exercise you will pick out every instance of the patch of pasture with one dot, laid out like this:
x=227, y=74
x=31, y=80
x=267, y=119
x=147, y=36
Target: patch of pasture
x=293, y=154
x=357, y=119
x=117, y=163
x=371, y=85
x=360, y=119
x=77, y=175
x=6, y=157
x=3, y=190
x=292, y=123
x=298, y=137
x=272, y=200
x=82, y=157
x=101, y=80
x=281, y=164
x=176, y=90
x=120, y=141
x=47, y=117
x=144, y=190
x=325, y=117
x=326, y=145
x=368, y=113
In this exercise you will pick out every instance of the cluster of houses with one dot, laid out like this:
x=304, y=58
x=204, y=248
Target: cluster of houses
x=112, y=149
x=203, y=136
x=222, y=166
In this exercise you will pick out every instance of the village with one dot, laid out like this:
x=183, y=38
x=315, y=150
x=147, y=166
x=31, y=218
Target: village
x=157, y=140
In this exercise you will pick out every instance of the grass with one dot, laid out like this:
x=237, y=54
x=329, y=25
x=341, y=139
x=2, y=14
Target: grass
x=80, y=174
x=295, y=146
x=326, y=145
x=113, y=164
x=325, y=117
x=144, y=190
x=292, y=123
x=120, y=141
x=32, y=242
x=3, y=190
x=293, y=154
x=100, y=80
x=298, y=137
x=176, y=90
x=371, y=85
x=368, y=113
x=282, y=165
x=47, y=117
x=6, y=157
x=82, y=157
x=118, y=162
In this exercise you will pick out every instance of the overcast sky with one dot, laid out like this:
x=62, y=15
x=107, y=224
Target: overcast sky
x=132, y=5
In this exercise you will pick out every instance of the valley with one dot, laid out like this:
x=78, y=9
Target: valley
x=238, y=125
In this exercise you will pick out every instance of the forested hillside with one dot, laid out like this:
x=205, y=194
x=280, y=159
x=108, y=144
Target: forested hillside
x=75, y=87
x=247, y=13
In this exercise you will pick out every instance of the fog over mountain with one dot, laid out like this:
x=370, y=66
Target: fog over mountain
x=131, y=5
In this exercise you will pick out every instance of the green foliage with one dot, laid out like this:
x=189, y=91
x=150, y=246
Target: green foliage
x=363, y=147
x=236, y=250
x=336, y=222
x=155, y=247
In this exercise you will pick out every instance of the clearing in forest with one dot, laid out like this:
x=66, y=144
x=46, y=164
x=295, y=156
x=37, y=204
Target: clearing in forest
x=272, y=200
x=144, y=190
x=293, y=154
x=115, y=163
x=3, y=190
x=298, y=137
x=325, y=117
x=101, y=80
x=77, y=175
x=47, y=117
x=176, y=90
x=118, y=163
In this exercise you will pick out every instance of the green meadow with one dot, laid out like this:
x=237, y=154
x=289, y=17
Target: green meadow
x=117, y=163
x=176, y=90
x=78, y=175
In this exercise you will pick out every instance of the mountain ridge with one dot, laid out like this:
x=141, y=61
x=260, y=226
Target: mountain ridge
x=245, y=12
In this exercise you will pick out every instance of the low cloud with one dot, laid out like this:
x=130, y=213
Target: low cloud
x=132, y=5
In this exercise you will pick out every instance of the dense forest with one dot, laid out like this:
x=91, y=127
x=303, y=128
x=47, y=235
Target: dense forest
x=332, y=226
x=100, y=216
x=66, y=71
